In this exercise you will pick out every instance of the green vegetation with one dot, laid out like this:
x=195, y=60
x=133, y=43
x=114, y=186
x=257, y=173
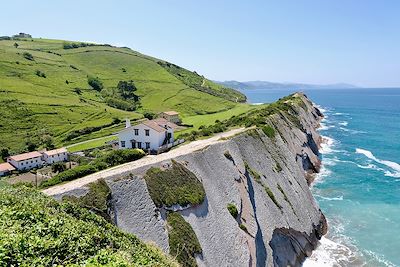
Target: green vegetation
x=278, y=167
x=272, y=196
x=269, y=131
x=243, y=227
x=36, y=230
x=253, y=173
x=228, y=155
x=97, y=143
x=197, y=82
x=232, y=210
x=183, y=241
x=30, y=103
x=176, y=185
x=95, y=83
x=95, y=200
x=40, y=74
x=109, y=159
x=58, y=167
x=284, y=196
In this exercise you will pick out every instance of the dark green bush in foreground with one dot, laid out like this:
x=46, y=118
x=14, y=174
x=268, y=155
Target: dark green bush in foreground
x=176, y=185
x=183, y=241
x=70, y=175
x=36, y=230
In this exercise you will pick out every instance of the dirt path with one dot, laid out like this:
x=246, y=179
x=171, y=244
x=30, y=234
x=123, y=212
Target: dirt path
x=182, y=150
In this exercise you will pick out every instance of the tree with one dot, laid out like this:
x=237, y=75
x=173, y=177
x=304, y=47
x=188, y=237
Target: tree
x=47, y=141
x=16, y=45
x=31, y=145
x=4, y=153
x=149, y=115
x=95, y=83
x=127, y=89
x=58, y=167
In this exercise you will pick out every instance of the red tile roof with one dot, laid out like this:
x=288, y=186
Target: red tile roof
x=162, y=122
x=55, y=151
x=152, y=124
x=29, y=155
x=6, y=167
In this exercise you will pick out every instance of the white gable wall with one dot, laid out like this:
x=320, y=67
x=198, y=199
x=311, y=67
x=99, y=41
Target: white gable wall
x=155, y=138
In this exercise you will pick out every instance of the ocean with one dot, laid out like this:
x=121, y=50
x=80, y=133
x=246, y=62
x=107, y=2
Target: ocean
x=358, y=188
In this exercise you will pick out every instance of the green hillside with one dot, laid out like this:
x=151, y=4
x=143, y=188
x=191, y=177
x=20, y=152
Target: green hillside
x=45, y=95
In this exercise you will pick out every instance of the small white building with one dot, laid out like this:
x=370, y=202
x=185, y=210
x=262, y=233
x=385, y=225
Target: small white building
x=171, y=116
x=55, y=155
x=6, y=168
x=148, y=135
x=26, y=161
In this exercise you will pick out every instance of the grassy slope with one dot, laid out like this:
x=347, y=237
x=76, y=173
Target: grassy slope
x=51, y=104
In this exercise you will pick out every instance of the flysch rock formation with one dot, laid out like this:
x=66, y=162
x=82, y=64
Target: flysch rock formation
x=279, y=232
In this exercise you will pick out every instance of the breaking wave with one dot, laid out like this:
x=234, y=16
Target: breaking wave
x=393, y=165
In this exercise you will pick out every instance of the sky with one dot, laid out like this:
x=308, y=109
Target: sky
x=307, y=41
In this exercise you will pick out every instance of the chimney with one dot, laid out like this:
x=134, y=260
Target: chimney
x=127, y=123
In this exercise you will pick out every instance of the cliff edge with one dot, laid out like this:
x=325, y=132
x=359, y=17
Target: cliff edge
x=245, y=200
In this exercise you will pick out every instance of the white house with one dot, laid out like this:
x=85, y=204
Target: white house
x=26, y=161
x=55, y=155
x=148, y=135
x=6, y=168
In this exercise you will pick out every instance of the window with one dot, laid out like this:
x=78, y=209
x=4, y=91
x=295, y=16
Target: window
x=31, y=161
x=136, y=131
x=22, y=163
x=122, y=143
x=139, y=145
x=147, y=145
x=147, y=132
x=133, y=144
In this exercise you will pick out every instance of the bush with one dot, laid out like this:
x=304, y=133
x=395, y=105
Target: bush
x=149, y=115
x=37, y=230
x=40, y=74
x=70, y=175
x=58, y=167
x=253, y=173
x=127, y=89
x=243, y=227
x=233, y=210
x=28, y=56
x=120, y=104
x=182, y=240
x=116, y=157
x=269, y=131
x=176, y=185
x=95, y=83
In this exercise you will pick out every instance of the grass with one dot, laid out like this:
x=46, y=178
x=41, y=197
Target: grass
x=269, y=131
x=183, y=241
x=64, y=102
x=272, y=196
x=97, y=143
x=36, y=230
x=176, y=185
x=232, y=210
x=253, y=173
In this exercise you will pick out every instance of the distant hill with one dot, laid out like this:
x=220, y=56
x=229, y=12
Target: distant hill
x=272, y=85
x=45, y=92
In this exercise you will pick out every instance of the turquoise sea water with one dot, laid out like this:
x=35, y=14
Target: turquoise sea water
x=358, y=188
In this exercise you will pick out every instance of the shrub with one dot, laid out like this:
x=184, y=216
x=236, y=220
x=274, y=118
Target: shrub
x=243, y=227
x=120, y=104
x=253, y=173
x=37, y=230
x=149, y=115
x=182, y=240
x=176, y=185
x=28, y=56
x=233, y=210
x=40, y=73
x=116, y=157
x=127, y=89
x=269, y=131
x=70, y=175
x=58, y=167
x=228, y=155
x=95, y=83
x=272, y=196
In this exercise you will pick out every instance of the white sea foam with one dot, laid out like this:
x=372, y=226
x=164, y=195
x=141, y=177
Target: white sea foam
x=379, y=258
x=332, y=198
x=393, y=165
x=343, y=123
x=326, y=145
x=330, y=254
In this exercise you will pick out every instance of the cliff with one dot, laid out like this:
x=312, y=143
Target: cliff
x=252, y=207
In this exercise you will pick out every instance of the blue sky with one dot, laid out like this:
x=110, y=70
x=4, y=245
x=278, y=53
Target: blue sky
x=310, y=41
